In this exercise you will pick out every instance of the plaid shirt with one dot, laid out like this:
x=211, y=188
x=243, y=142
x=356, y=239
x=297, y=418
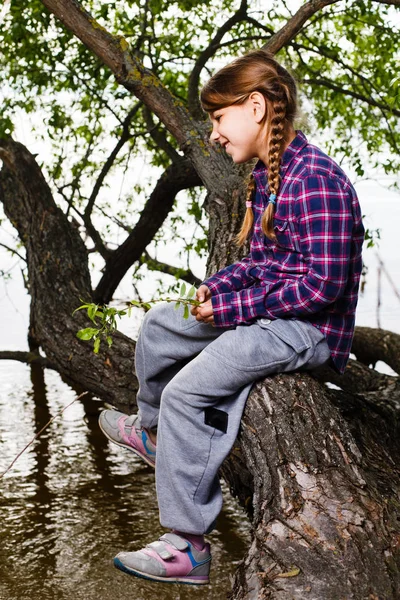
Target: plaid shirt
x=313, y=270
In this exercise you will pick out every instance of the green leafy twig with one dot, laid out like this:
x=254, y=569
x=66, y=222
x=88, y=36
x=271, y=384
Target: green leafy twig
x=104, y=318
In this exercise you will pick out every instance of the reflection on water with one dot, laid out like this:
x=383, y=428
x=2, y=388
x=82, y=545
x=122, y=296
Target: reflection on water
x=74, y=500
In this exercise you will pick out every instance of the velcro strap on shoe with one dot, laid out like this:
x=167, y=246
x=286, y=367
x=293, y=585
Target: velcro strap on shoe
x=161, y=549
x=175, y=540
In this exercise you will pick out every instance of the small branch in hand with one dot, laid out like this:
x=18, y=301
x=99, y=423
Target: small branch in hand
x=104, y=317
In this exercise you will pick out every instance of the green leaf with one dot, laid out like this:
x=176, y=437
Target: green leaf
x=177, y=305
x=109, y=341
x=96, y=345
x=186, y=312
x=81, y=308
x=92, y=310
x=87, y=334
x=191, y=292
x=183, y=290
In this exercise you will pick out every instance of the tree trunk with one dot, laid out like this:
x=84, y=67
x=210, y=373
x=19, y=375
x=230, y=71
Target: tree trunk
x=316, y=468
x=325, y=494
x=58, y=280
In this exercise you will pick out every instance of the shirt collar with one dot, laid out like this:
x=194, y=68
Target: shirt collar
x=295, y=146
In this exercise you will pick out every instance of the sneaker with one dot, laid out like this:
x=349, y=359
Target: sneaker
x=127, y=432
x=172, y=559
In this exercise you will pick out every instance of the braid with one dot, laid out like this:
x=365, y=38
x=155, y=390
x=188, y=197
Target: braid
x=276, y=141
x=249, y=216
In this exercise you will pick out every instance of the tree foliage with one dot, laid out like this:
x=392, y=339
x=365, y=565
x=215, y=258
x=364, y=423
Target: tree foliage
x=98, y=137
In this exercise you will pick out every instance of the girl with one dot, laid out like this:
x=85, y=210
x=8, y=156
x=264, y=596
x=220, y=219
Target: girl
x=288, y=305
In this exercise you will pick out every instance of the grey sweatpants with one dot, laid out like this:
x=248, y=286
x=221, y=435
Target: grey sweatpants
x=194, y=381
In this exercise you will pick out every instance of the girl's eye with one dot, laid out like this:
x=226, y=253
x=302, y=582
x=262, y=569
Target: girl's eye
x=218, y=118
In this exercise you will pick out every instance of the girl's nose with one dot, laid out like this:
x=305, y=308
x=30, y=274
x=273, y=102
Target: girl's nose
x=214, y=135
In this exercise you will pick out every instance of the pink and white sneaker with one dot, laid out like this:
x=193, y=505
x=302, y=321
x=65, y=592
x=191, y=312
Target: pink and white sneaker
x=172, y=559
x=126, y=431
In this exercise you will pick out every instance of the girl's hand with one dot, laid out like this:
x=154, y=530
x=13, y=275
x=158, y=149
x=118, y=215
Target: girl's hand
x=205, y=311
x=202, y=295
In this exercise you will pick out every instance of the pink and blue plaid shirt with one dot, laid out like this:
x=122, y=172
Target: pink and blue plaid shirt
x=313, y=270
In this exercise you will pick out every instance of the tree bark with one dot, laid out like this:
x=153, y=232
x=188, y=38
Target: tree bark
x=58, y=280
x=325, y=489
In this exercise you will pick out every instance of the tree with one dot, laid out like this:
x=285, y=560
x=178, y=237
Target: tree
x=323, y=507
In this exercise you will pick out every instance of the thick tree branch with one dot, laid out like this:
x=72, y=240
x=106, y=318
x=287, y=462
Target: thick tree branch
x=58, y=279
x=372, y=345
x=357, y=378
x=177, y=177
x=193, y=91
x=295, y=24
x=155, y=265
x=114, y=51
x=29, y=358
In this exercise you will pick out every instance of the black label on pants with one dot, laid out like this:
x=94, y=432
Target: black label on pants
x=216, y=418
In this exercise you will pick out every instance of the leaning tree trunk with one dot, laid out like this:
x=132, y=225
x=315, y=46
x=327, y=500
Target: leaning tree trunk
x=58, y=278
x=316, y=468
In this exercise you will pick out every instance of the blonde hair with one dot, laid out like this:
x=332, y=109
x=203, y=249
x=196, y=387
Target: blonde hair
x=233, y=84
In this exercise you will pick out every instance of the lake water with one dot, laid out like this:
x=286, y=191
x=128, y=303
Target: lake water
x=74, y=500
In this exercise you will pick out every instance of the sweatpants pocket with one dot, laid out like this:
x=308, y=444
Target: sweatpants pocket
x=290, y=331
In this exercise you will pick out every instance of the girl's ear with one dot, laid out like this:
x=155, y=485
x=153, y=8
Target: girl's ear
x=257, y=104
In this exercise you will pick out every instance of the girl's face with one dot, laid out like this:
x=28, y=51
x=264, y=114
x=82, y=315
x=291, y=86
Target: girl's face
x=240, y=130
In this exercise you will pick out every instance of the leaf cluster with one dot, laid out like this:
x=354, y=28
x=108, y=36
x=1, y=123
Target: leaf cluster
x=104, y=318
x=346, y=61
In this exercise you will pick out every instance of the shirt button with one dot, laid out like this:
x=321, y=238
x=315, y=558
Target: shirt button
x=265, y=321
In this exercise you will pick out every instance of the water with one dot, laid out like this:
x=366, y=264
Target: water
x=73, y=500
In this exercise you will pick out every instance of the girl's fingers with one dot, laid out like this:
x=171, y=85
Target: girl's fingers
x=203, y=293
x=205, y=319
x=205, y=310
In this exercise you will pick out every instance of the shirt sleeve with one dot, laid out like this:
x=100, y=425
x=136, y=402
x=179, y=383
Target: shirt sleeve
x=232, y=278
x=325, y=226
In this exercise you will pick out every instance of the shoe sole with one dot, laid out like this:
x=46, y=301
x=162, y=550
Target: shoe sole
x=185, y=580
x=134, y=450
